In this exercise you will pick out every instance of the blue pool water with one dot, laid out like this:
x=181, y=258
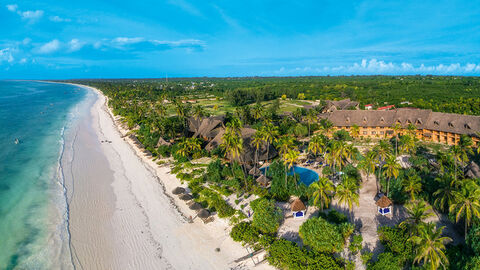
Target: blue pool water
x=307, y=176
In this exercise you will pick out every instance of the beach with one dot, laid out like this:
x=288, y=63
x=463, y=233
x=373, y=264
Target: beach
x=122, y=212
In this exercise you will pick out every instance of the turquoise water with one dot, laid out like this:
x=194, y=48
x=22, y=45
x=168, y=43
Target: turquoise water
x=33, y=216
x=307, y=176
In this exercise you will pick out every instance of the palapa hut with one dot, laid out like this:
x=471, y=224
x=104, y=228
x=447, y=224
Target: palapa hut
x=185, y=197
x=298, y=209
x=384, y=205
x=195, y=206
x=178, y=190
x=255, y=171
x=263, y=181
x=472, y=170
x=207, y=128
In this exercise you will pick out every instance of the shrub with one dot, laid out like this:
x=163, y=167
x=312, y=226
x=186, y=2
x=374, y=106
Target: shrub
x=336, y=217
x=245, y=232
x=386, y=260
x=346, y=229
x=164, y=151
x=395, y=240
x=321, y=235
x=266, y=216
x=366, y=257
x=356, y=244
x=473, y=239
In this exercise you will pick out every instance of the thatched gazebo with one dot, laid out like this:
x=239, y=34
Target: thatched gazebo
x=203, y=214
x=195, y=206
x=178, y=190
x=384, y=205
x=263, y=181
x=298, y=208
x=255, y=171
x=186, y=197
x=472, y=170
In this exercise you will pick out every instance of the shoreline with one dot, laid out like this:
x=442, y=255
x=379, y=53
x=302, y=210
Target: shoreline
x=149, y=225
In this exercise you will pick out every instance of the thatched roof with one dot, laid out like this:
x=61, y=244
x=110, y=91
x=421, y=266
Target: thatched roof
x=161, y=142
x=185, y=197
x=263, y=180
x=422, y=119
x=209, y=127
x=178, y=190
x=203, y=214
x=472, y=170
x=344, y=104
x=383, y=202
x=297, y=205
x=255, y=171
x=195, y=206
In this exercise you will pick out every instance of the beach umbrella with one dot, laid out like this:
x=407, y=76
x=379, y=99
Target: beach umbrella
x=178, y=190
x=203, y=214
x=186, y=197
x=195, y=206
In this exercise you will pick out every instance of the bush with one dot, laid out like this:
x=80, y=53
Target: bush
x=356, y=244
x=366, y=257
x=284, y=254
x=164, y=151
x=473, y=239
x=336, y=217
x=395, y=240
x=266, y=216
x=321, y=235
x=346, y=229
x=244, y=232
x=386, y=260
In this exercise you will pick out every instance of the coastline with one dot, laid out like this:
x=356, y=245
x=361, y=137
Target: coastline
x=128, y=218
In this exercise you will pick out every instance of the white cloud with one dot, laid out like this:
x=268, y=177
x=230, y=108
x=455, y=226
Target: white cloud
x=126, y=40
x=178, y=43
x=6, y=55
x=12, y=8
x=75, y=45
x=23, y=61
x=58, y=19
x=31, y=15
x=49, y=47
x=374, y=66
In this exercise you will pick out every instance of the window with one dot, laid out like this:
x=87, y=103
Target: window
x=381, y=132
x=419, y=121
x=467, y=126
x=365, y=133
x=364, y=120
x=450, y=124
x=436, y=123
x=374, y=132
x=347, y=120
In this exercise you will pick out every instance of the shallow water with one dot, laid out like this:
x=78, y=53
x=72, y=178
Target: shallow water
x=33, y=217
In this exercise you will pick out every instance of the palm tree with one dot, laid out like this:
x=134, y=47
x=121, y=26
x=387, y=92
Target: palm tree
x=456, y=154
x=232, y=144
x=317, y=144
x=412, y=185
x=188, y=146
x=290, y=158
x=368, y=163
x=466, y=203
x=355, y=131
x=418, y=212
x=199, y=112
x=407, y=144
x=257, y=142
x=257, y=111
x=326, y=126
x=444, y=196
x=321, y=191
x=382, y=149
x=284, y=144
x=392, y=169
x=396, y=129
x=311, y=118
x=430, y=246
x=347, y=194
x=412, y=130
x=270, y=135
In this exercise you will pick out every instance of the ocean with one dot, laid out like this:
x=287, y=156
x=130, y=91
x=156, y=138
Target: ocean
x=34, y=118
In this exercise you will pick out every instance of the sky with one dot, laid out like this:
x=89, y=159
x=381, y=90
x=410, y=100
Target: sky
x=54, y=39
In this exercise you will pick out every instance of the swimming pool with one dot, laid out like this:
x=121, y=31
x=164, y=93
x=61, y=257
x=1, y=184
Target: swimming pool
x=307, y=176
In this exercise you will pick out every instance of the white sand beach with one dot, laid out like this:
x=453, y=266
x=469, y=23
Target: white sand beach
x=122, y=212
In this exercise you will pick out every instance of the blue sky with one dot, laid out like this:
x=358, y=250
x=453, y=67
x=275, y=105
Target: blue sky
x=54, y=39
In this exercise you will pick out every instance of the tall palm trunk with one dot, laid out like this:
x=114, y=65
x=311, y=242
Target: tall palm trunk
x=268, y=148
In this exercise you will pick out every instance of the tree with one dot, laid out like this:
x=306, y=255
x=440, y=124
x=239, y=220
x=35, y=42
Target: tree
x=430, y=246
x=412, y=185
x=290, y=158
x=466, y=203
x=321, y=191
x=383, y=150
x=266, y=216
x=367, y=164
x=326, y=126
x=392, y=169
x=347, y=193
x=257, y=111
x=199, y=112
x=444, y=195
x=317, y=144
x=284, y=144
x=232, y=144
x=407, y=144
x=355, y=131
x=412, y=130
x=396, y=129
x=257, y=142
x=321, y=235
x=310, y=118
x=418, y=212
x=270, y=135
x=188, y=146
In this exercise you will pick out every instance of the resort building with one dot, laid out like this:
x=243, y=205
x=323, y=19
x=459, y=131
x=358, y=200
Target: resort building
x=344, y=104
x=429, y=126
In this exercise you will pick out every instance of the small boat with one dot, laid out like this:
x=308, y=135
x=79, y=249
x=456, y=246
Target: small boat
x=17, y=141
